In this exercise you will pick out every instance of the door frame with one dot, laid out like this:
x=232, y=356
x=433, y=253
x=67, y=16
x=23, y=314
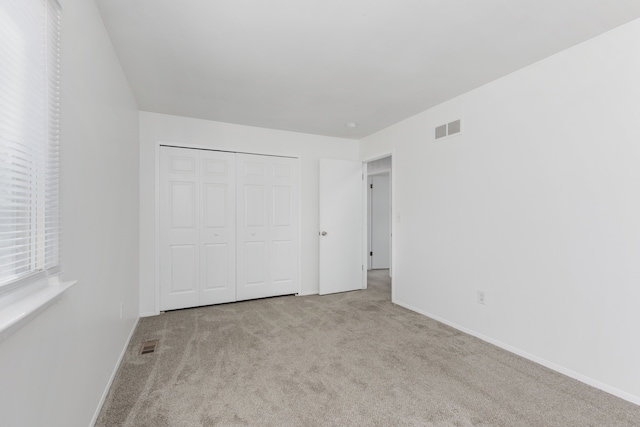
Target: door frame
x=365, y=160
x=156, y=257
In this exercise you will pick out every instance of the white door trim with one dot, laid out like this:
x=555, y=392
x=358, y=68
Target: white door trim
x=157, y=145
x=365, y=223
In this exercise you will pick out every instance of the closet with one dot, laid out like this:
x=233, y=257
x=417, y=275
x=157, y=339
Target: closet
x=228, y=227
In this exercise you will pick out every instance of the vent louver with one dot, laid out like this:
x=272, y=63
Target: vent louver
x=453, y=127
x=149, y=347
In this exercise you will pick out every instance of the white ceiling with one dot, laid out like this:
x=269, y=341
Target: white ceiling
x=314, y=65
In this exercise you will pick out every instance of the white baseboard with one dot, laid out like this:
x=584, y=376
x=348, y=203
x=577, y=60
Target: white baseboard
x=113, y=375
x=148, y=314
x=561, y=369
x=307, y=293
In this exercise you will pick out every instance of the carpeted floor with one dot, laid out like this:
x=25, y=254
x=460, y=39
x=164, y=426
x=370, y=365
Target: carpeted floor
x=351, y=359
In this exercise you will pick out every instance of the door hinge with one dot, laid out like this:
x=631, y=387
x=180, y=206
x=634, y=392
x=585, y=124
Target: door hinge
x=370, y=185
x=370, y=253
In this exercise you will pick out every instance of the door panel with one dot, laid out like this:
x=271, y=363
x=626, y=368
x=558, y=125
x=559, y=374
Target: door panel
x=217, y=228
x=254, y=167
x=178, y=228
x=255, y=265
x=183, y=263
x=252, y=280
x=182, y=162
x=216, y=266
x=216, y=167
x=341, y=218
x=270, y=201
x=254, y=206
x=182, y=199
x=281, y=253
x=283, y=226
x=215, y=205
x=281, y=202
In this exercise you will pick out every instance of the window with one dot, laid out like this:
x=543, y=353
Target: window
x=29, y=134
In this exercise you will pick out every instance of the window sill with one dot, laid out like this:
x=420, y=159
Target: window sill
x=17, y=311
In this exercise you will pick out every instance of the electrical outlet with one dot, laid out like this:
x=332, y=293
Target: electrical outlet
x=481, y=298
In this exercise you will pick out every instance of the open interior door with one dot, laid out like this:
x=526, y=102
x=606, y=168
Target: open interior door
x=341, y=226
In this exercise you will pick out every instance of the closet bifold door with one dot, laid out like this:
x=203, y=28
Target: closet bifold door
x=218, y=227
x=197, y=243
x=267, y=226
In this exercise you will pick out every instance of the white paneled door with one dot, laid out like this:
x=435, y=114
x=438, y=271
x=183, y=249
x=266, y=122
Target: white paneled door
x=267, y=226
x=228, y=227
x=197, y=228
x=217, y=227
x=341, y=226
x=179, y=275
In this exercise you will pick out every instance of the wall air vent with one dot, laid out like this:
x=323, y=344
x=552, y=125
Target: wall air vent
x=448, y=129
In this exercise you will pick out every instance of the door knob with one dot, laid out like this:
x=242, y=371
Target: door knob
x=324, y=233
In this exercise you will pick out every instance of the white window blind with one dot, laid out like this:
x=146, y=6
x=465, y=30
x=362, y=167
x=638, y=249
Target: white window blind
x=29, y=135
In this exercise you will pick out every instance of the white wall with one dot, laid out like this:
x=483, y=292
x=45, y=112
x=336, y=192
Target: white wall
x=181, y=130
x=54, y=371
x=537, y=203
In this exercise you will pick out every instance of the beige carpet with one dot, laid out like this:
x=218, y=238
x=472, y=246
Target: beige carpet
x=351, y=359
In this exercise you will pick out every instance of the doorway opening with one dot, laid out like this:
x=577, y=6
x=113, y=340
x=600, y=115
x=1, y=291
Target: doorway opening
x=379, y=223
